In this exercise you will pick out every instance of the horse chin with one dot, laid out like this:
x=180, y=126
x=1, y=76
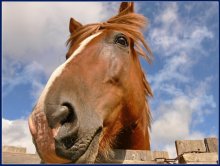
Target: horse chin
x=82, y=151
x=91, y=153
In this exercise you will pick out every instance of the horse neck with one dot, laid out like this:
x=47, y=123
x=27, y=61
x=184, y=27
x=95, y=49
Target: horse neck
x=135, y=136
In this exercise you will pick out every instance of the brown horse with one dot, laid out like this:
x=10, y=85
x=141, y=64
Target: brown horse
x=96, y=100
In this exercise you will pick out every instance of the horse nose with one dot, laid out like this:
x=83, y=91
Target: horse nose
x=64, y=120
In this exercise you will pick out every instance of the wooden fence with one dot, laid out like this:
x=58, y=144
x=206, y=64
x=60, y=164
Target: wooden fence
x=188, y=152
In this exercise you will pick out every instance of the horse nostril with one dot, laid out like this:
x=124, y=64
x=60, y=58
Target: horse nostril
x=60, y=115
x=68, y=131
x=71, y=116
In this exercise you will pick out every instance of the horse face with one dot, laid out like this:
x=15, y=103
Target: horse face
x=84, y=97
x=91, y=98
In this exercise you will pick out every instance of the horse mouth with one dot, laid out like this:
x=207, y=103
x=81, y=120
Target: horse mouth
x=83, y=150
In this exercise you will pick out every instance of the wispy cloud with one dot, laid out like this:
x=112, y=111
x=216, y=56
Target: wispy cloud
x=37, y=31
x=175, y=114
x=174, y=33
x=174, y=70
x=34, y=36
x=15, y=75
x=181, y=101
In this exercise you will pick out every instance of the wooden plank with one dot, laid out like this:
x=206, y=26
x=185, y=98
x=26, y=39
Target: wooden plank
x=211, y=144
x=199, y=158
x=130, y=162
x=160, y=154
x=142, y=155
x=19, y=158
x=137, y=157
x=189, y=145
x=138, y=162
x=209, y=162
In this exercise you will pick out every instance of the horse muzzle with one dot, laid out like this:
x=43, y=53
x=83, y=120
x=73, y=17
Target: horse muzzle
x=62, y=134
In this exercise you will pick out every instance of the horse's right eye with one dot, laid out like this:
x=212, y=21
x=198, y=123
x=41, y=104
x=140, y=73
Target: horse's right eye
x=121, y=40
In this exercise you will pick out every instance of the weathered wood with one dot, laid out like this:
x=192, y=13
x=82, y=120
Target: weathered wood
x=138, y=162
x=208, y=145
x=131, y=162
x=142, y=155
x=211, y=144
x=160, y=154
x=139, y=155
x=199, y=158
x=20, y=158
x=121, y=156
x=189, y=145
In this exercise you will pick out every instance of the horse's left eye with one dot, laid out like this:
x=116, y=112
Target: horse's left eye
x=121, y=40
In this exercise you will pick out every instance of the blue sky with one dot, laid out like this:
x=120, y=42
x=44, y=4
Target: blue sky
x=184, y=37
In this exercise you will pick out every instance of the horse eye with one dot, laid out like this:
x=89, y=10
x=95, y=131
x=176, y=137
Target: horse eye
x=121, y=40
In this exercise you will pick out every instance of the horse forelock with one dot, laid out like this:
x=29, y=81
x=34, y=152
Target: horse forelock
x=131, y=24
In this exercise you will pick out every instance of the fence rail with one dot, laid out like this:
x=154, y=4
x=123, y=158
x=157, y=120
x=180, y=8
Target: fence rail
x=188, y=152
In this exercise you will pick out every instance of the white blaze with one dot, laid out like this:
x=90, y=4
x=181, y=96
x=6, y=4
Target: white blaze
x=59, y=69
x=83, y=44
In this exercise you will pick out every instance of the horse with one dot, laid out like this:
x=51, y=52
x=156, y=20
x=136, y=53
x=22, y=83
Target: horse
x=97, y=100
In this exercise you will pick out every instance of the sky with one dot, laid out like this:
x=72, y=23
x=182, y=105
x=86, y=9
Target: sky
x=184, y=76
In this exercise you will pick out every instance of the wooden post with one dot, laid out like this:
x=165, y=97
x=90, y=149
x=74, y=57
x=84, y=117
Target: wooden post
x=137, y=156
x=197, y=151
x=189, y=152
x=211, y=144
x=141, y=155
x=183, y=146
x=200, y=158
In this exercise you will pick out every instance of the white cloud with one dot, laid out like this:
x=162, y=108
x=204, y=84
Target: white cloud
x=174, y=70
x=173, y=122
x=174, y=33
x=34, y=36
x=169, y=15
x=181, y=102
x=171, y=150
x=37, y=31
x=16, y=133
x=174, y=117
x=32, y=73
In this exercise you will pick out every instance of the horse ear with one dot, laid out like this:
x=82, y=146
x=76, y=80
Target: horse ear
x=74, y=25
x=126, y=7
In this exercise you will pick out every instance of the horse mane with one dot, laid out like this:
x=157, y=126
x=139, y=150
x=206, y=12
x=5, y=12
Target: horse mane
x=131, y=24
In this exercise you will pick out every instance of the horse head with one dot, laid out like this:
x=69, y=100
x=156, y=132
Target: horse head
x=96, y=100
